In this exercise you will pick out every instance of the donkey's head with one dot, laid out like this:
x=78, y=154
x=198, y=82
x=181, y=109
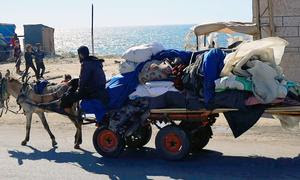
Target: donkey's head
x=4, y=95
x=8, y=84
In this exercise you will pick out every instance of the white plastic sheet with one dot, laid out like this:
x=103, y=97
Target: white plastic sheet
x=268, y=50
x=288, y=122
x=142, y=52
x=127, y=66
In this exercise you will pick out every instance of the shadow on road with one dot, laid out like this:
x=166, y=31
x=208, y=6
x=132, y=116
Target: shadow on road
x=145, y=163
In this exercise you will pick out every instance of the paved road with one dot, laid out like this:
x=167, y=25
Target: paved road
x=264, y=152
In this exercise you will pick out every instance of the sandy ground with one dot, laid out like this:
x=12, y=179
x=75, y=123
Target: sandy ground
x=266, y=151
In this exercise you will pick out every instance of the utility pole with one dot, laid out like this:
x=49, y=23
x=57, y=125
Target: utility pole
x=92, y=30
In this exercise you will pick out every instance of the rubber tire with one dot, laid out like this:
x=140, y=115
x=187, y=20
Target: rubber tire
x=113, y=154
x=161, y=149
x=201, y=138
x=143, y=135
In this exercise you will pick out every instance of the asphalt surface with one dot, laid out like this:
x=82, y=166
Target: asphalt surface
x=265, y=152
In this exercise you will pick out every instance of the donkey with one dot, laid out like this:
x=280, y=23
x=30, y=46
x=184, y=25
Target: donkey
x=14, y=88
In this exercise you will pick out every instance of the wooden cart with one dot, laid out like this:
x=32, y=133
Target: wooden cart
x=184, y=132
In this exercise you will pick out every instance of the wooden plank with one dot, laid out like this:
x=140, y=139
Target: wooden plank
x=54, y=77
x=285, y=110
x=183, y=110
x=282, y=109
x=47, y=72
x=286, y=113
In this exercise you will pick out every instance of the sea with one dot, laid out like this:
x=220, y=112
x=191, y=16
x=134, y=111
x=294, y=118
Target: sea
x=116, y=40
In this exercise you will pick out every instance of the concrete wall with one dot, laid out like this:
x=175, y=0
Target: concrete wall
x=287, y=26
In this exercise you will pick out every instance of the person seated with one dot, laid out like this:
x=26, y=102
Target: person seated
x=91, y=86
x=67, y=79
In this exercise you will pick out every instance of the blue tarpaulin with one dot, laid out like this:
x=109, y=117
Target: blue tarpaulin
x=7, y=32
x=119, y=88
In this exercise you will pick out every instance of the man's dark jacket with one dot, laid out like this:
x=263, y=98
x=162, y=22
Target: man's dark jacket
x=28, y=58
x=92, y=80
x=39, y=55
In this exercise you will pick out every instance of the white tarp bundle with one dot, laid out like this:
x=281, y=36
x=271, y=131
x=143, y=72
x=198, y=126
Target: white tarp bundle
x=142, y=52
x=127, y=66
x=226, y=27
x=262, y=57
x=288, y=122
x=268, y=50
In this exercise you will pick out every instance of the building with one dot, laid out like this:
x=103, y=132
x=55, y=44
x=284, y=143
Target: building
x=281, y=18
x=38, y=33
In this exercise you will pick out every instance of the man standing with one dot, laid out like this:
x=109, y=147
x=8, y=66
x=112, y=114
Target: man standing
x=39, y=60
x=17, y=55
x=29, y=63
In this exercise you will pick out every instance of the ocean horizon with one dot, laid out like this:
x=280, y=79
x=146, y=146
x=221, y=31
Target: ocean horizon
x=114, y=41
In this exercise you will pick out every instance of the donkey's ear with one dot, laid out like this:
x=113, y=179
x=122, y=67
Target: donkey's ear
x=7, y=75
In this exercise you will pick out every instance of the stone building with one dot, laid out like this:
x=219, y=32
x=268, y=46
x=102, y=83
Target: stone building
x=281, y=18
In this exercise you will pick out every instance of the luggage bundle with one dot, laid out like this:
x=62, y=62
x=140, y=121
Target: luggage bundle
x=248, y=79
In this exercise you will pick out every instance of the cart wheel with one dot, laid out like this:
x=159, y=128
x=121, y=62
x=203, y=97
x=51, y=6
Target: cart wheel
x=108, y=143
x=140, y=137
x=201, y=138
x=172, y=143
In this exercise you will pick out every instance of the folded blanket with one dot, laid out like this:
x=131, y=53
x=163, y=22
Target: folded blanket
x=234, y=83
x=153, y=89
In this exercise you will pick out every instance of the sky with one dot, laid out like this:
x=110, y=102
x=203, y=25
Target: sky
x=77, y=13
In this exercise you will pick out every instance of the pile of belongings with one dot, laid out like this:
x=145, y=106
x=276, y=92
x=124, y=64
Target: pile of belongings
x=135, y=55
x=248, y=79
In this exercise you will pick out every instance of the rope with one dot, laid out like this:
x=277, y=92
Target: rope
x=15, y=112
x=43, y=106
x=25, y=90
x=6, y=107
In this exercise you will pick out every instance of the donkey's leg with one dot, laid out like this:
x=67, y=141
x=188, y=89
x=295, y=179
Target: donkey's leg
x=46, y=126
x=28, y=126
x=78, y=135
